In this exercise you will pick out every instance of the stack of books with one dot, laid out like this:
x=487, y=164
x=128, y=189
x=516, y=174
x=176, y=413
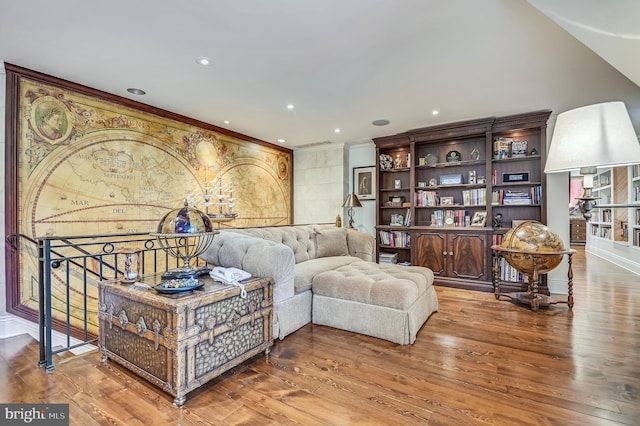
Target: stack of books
x=388, y=257
x=516, y=198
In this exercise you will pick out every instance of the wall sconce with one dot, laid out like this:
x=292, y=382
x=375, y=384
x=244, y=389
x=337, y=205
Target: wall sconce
x=591, y=137
x=351, y=201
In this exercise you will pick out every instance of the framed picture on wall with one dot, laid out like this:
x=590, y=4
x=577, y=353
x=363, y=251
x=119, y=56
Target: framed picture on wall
x=364, y=182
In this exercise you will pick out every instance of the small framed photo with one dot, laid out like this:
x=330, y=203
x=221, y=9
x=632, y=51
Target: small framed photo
x=479, y=218
x=397, y=220
x=364, y=182
x=446, y=201
x=397, y=184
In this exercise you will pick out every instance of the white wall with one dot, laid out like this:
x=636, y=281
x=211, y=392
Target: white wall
x=323, y=176
x=557, y=199
x=320, y=183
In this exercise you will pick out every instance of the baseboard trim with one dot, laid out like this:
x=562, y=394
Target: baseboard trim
x=11, y=325
x=557, y=286
x=615, y=259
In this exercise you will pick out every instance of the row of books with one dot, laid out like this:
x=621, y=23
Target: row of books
x=427, y=198
x=605, y=215
x=508, y=272
x=474, y=197
x=470, y=197
x=457, y=218
x=395, y=238
x=601, y=231
x=503, y=197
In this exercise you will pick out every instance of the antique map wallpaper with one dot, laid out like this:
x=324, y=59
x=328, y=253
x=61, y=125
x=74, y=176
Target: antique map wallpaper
x=88, y=165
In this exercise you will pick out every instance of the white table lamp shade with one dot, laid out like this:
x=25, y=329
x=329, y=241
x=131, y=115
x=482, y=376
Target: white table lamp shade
x=599, y=135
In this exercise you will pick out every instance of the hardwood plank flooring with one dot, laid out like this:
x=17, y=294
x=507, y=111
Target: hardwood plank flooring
x=477, y=361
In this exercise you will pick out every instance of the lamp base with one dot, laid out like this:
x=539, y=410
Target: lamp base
x=586, y=205
x=350, y=213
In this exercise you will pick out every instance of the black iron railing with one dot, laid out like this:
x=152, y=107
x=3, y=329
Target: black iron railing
x=68, y=267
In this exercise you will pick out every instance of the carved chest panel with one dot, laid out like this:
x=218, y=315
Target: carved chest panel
x=181, y=341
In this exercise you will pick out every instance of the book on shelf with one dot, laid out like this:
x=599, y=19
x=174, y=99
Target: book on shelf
x=427, y=198
x=400, y=239
x=501, y=147
x=508, y=272
x=516, y=198
x=474, y=197
x=501, y=197
x=407, y=218
x=450, y=218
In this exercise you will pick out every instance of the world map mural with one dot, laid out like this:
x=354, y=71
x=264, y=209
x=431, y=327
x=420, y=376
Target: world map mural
x=88, y=165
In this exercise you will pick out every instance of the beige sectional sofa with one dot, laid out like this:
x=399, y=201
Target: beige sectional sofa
x=326, y=275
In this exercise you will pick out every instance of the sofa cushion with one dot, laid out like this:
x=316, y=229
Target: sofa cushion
x=305, y=271
x=259, y=257
x=332, y=242
x=391, y=286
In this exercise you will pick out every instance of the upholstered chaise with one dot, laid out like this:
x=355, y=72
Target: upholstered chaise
x=326, y=275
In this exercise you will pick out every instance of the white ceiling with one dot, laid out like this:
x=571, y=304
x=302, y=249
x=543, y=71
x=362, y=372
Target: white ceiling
x=343, y=63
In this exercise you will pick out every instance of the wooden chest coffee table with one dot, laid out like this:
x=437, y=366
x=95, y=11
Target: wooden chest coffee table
x=181, y=341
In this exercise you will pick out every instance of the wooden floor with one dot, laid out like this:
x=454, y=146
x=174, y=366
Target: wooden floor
x=476, y=361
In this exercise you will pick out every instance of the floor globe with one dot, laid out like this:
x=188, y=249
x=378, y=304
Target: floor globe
x=532, y=248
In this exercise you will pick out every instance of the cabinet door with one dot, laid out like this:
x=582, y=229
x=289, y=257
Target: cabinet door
x=429, y=249
x=467, y=256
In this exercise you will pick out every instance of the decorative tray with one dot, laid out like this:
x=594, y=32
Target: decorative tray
x=179, y=285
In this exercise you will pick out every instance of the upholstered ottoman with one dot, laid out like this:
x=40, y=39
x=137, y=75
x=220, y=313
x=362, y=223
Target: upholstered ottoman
x=390, y=302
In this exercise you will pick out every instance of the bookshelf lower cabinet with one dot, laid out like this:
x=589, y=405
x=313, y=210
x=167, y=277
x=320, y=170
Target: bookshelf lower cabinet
x=457, y=259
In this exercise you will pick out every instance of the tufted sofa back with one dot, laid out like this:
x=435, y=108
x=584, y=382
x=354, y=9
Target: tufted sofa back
x=300, y=238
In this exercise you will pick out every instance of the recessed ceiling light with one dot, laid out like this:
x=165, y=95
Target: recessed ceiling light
x=290, y=106
x=282, y=140
x=136, y=91
x=203, y=61
x=336, y=130
x=226, y=122
x=381, y=122
x=435, y=112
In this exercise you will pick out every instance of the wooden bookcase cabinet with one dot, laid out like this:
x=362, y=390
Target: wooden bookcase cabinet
x=460, y=255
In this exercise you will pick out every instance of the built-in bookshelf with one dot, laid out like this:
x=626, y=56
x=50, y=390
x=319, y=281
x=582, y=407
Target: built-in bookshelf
x=459, y=184
x=616, y=217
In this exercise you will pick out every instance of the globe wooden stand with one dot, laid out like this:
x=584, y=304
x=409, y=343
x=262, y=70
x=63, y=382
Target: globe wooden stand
x=531, y=296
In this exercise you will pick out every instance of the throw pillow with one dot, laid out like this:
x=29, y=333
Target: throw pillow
x=332, y=242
